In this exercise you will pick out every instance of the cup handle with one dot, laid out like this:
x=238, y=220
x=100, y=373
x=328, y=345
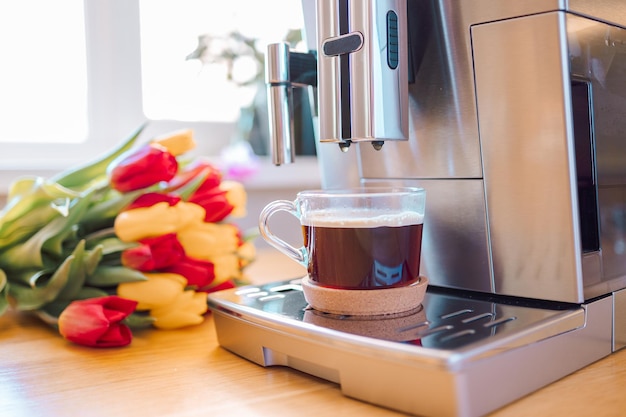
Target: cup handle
x=299, y=255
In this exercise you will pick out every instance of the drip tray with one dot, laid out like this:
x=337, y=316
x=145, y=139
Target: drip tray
x=458, y=354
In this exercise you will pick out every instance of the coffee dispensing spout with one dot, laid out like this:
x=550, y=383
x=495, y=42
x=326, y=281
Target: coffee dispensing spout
x=361, y=77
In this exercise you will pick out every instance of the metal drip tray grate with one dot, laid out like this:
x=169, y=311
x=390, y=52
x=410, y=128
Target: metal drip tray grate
x=445, y=320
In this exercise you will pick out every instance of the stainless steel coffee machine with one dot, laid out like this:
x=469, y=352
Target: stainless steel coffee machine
x=512, y=116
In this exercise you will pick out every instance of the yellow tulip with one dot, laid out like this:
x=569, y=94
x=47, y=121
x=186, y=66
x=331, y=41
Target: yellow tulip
x=187, y=309
x=205, y=241
x=156, y=220
x=246, y=253
x=236, y=196
x=227, y=267
x=178, y=142
x=158, y=290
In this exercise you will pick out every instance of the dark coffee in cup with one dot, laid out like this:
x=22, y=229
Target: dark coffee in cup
x=352, y=250
x=361, y=247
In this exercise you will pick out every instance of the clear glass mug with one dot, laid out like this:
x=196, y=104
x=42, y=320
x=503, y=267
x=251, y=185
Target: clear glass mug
x=355, y=239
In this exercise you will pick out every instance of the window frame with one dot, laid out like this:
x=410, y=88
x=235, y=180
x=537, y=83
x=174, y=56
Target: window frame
x=112, y=37
x=113, y=64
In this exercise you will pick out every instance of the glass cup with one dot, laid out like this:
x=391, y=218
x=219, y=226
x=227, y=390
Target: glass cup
x=356, y=241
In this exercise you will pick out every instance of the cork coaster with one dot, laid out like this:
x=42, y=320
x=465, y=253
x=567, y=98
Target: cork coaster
x=364, y=302
x=385, y=327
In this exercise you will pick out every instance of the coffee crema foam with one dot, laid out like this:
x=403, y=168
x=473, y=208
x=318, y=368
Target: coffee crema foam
x=360, y=218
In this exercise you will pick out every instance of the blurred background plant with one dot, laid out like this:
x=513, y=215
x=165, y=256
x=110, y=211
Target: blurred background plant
x=245, y=62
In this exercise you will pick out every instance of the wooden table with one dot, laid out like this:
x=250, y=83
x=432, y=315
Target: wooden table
x=185, y=372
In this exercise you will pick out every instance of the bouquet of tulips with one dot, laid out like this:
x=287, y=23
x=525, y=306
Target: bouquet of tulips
x=135, y=239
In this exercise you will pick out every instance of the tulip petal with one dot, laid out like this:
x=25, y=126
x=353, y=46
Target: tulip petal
x=226, y=267
x=154, y=253
x=187, y=309
x=159, y=219
x=142, y=167
x=186, y=181
x=198, y=273
x=97, y=322
x=236, y=195
x=215, y=204
x=113, y=303
x=178, y=142
x=159, y=289
x=139, y=258
x=113, y=335
x=150, y=199
x=219, y=287
x=82, y=323
x=205, y=241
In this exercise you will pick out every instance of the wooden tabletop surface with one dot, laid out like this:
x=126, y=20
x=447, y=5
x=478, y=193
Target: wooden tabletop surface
x=185, y=372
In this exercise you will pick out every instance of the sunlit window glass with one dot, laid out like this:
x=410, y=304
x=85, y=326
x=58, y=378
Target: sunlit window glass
x=43, y=78
x=177, y=87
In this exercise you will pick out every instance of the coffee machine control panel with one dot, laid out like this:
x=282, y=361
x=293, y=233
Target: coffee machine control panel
x=393, y=42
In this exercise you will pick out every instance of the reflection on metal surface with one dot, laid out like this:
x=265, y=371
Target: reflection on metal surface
x=445, y=320
x=619, y=320
x=535, y=134
x=465, y=345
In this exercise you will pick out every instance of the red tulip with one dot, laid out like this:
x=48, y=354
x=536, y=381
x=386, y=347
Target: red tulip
x=142, y=167
x=212, y=176
x=198, y=273
x=150, y=199
x=97, y=322
x=214, y=202
x=154, y=253
x=223, y=286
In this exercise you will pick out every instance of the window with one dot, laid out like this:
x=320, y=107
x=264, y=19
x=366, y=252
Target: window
x=80, y=75
x=170, y=32
x=78, y=71
x=45, y=57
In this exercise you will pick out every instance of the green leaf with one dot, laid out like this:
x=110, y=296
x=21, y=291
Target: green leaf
x=18, y=230
x=27, y=193
x=33, y=202
x=49, y=238
x=50, y=313
x=113, y=245
x=4, y=292
x=44, y=286
x=91, y=259
x=107, y=276
x=76, y=274
x=54, y=241
x=251, y=234
x=109, y=207
x=82, y=177
x=139, y=320
x=90, y=292
x=188, y=189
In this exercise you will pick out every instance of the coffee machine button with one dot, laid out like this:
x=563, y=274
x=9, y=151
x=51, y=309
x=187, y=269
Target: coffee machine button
x=344, y=44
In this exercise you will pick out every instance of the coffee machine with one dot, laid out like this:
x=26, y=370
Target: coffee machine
x=511, y=116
